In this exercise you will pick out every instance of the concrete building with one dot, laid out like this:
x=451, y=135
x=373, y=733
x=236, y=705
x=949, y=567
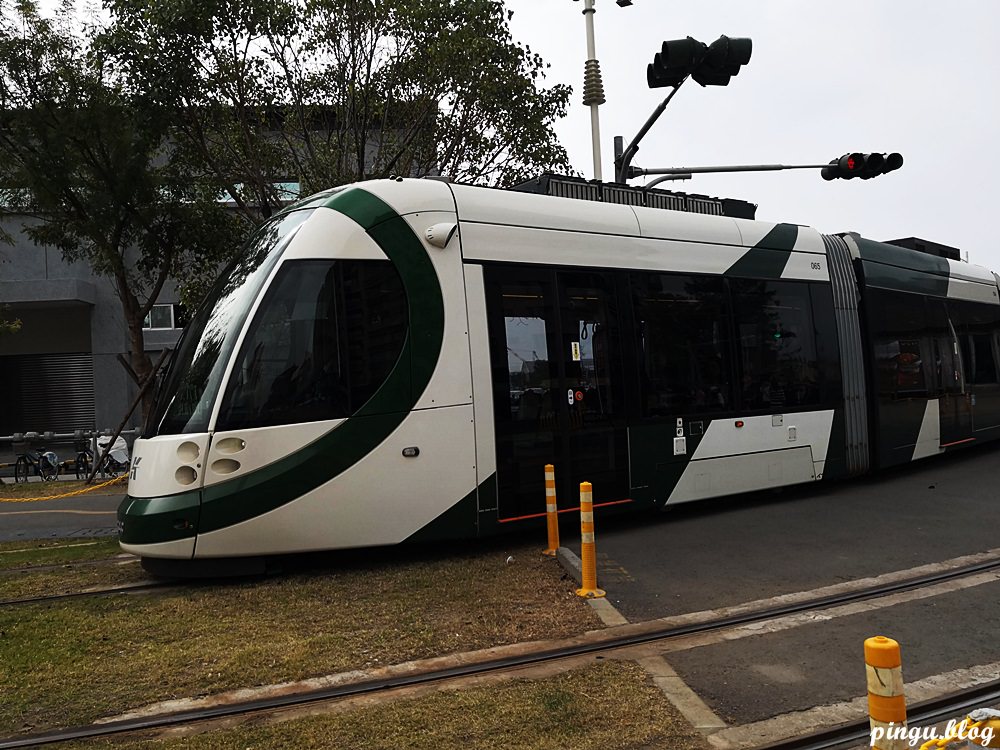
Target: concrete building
x=61, y=372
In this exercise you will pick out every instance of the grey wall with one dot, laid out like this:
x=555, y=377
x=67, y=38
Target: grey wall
x=66, y=308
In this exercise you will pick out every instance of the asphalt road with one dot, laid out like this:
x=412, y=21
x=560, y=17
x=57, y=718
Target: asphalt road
x=704, y=556
x=718, y=553
x=822, y=663
x=85, y=515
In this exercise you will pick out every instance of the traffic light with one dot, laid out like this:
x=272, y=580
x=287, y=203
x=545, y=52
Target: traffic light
x=709, y=65
x=723, y=60
x=865, y=166
x=674, y=62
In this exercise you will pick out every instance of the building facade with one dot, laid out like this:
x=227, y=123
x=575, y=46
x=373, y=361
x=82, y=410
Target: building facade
x=61, y=371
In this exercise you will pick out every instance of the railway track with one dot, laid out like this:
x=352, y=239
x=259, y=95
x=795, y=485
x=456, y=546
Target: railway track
x=128, y=588
x=835, y=737
x=926, y=713
x=105, y=562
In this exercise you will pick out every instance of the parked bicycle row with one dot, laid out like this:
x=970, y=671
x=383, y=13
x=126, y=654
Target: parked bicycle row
x=46, y=465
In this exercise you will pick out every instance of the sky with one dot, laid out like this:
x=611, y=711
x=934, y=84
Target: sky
x=827, y=77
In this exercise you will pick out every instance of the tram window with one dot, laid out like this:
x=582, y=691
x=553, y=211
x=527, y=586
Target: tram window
x=326, y=336
x=902, y=338
x=777, y=345
x=984, y=366
x=528, y=376
x=682, y=344
x=977, y=325
x=827, y=344
x=947, y=361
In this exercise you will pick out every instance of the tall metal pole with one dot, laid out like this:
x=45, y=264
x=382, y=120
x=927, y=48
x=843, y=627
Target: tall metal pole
x=593, y=88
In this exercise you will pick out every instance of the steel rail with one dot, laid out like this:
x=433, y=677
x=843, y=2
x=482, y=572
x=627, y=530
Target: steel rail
x=134, y=588
x=371, y=686
x=925, y=713
x=49, y=567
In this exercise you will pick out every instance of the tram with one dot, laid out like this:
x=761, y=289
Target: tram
x=397, y=360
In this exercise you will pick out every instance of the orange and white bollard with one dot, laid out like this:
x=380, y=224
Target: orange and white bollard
x=551, y=510
x=588, y=553
x=886, y=701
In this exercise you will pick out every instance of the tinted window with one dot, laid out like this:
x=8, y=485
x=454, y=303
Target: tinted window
x=529, y=397
x=682, y=344
x=976, y=326
x=325, y=338
x=776, y=341
x=946, y=363
x=188, y=395
x=906, y=347
x=827, y=344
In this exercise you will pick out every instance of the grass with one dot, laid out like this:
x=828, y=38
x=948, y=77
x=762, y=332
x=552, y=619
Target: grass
x=604, y=707
x=71, y=662
x=69, y=578
x=56, y=552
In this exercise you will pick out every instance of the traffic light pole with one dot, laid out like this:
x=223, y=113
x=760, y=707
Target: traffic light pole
x=593, y=88
x=623, y=161
x=672, y=171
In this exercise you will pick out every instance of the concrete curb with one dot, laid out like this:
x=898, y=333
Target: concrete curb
x=571, y=564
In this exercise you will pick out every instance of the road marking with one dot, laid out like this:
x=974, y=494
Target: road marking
x=796, y=723
x=76, y=512
x=681, y=696
x=788, y=622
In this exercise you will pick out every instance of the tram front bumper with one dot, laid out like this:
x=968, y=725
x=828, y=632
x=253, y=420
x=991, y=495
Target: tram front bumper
x=160, y=526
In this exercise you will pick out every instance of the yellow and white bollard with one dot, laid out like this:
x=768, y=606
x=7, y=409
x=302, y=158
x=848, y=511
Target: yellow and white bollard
x=551, y=510
x=886, y=700
x=588, y=553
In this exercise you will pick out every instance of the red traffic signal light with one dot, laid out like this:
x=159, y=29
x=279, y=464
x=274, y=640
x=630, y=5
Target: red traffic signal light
x=865, y=166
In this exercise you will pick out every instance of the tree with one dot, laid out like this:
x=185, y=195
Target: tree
x=324, y=92
x=93, y=166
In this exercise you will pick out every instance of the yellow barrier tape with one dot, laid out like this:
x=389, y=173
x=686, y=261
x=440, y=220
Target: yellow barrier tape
x=84, y=491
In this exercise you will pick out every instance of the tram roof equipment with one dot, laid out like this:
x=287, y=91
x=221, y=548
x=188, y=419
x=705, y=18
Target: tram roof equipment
x=613, y=192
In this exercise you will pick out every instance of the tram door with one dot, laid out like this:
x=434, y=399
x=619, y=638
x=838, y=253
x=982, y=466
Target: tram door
x=593, y=438
x=954, y=399
x=556, y=370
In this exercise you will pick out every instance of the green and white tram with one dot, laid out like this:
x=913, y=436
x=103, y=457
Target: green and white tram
x=397, y=360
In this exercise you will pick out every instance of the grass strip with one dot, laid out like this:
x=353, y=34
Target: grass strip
x=56, y=551
x=71, y=662
x=606, y=706
x=69, y=578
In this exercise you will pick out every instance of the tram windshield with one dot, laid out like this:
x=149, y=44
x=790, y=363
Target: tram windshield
x=323, y=341
x=185, y=401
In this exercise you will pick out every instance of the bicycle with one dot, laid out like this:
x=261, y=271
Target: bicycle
x=44, y=463
x=84, y=460
x=110, y=467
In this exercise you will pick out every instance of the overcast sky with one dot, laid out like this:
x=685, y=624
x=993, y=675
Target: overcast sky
x=826, y=77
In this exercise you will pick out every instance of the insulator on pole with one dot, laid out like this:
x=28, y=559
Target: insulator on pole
x=593, y=86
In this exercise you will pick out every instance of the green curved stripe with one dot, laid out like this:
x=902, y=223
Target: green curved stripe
x=148, y=520
x=768, y=258
x=303, y=471
x=289, y=478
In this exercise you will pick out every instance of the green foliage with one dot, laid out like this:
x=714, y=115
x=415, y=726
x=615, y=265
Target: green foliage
x=324, y=92
x=91, y=165
x=119, y=137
